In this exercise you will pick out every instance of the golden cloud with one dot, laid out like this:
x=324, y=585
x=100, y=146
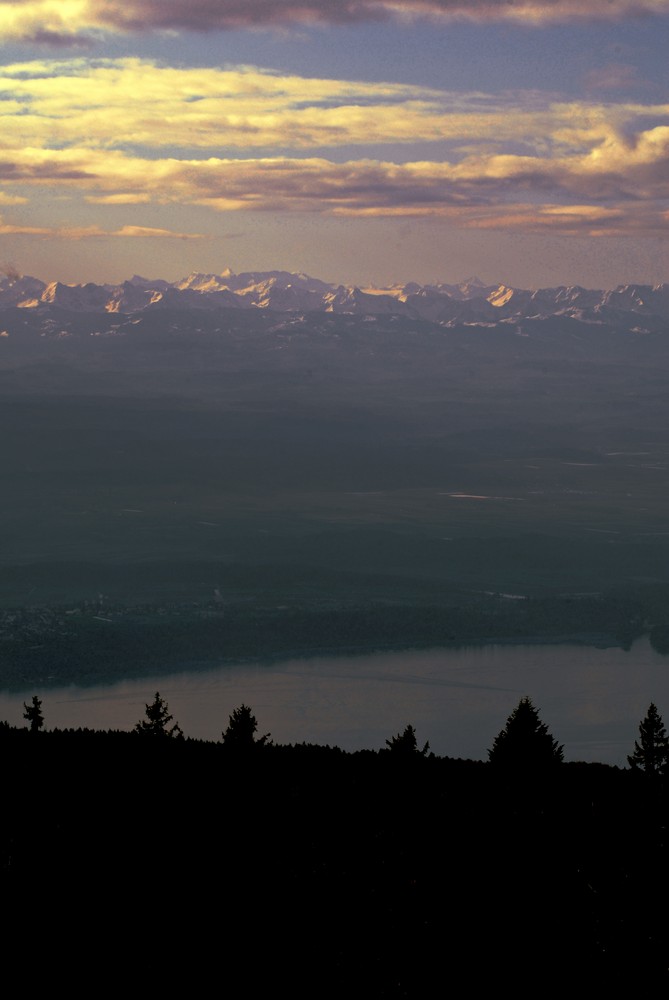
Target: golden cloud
x=136, y=103
x=12, y=199
x=481, y=191
x=89, y=232
x=101, y=131
x=152, y=233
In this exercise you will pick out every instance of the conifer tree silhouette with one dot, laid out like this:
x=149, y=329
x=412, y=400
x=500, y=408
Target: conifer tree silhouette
x=33, y=713
x=651, y=750
x=157, y=720
x=406, y=744
x=240, y=734
x=525, y=742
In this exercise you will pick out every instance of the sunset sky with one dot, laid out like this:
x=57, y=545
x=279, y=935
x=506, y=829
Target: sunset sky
x=366, y=141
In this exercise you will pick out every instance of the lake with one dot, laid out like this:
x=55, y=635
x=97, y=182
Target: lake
x=591, y=699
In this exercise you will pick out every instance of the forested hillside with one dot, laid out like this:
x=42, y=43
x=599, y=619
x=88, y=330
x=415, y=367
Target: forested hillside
x=375, y=874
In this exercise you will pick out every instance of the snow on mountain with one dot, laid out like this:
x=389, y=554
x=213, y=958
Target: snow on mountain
x=174, y=297
x=552, y=300
x=197, y=282
x=468, y=302
x=255, y=285
x=354, y=300
x=284, y=298
x=470, y=288
x=16, y=290
x=129, y=297
x=501, y=296
x=639, y=298
x=279, y=279
x=78, y=298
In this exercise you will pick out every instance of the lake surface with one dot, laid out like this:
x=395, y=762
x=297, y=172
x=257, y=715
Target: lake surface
x=591, y=699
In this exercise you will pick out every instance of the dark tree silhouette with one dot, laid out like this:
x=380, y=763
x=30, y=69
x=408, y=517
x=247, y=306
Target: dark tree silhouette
x=157, y=720
x=525, y=742
x=33, y=713
x=240, y=734
x=651, y=750
x=405, y=744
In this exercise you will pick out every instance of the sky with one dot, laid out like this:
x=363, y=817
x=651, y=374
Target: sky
x=359, y=141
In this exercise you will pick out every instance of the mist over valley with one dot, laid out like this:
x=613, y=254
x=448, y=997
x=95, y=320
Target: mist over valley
x=266, y=480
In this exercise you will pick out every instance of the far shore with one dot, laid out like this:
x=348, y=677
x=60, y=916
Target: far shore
x=133, y=670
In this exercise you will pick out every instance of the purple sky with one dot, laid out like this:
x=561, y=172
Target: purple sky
x=361, y=141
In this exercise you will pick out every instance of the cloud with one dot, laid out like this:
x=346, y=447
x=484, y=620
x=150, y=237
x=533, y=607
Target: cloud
x=12, y=199
x=93, y=232
x=133, y=103
x=621, y=186
x=572, y=220
x=59, y=22
x=7, y=229
x=152, y=233
x=114, y=133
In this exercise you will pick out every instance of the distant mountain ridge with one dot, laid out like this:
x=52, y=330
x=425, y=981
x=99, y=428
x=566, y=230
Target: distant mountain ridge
x=640, y=308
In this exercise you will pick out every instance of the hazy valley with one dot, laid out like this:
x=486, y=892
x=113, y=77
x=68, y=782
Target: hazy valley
x=330, y=477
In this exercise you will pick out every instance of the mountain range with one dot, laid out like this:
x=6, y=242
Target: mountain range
x=635, y=307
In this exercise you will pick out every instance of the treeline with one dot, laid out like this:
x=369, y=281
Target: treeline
x=306, y=869
x=524, y=745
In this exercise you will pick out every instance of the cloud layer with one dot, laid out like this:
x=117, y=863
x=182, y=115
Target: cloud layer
x=91, y=232
x=59, y=22
x=136, y=103
x=131, y=133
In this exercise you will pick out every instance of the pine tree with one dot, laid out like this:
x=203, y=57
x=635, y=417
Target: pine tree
x=157, y=720
x=240, y=734
x=651, y=750
x=525, y=742
x=33, y=713
x=406, y=744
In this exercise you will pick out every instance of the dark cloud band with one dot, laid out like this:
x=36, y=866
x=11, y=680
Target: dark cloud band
x=204, y=15
x=40, y=21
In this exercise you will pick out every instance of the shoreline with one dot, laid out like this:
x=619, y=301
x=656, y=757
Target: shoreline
x=596, y=640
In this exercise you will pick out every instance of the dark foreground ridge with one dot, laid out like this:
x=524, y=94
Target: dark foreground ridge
x=321, y=873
